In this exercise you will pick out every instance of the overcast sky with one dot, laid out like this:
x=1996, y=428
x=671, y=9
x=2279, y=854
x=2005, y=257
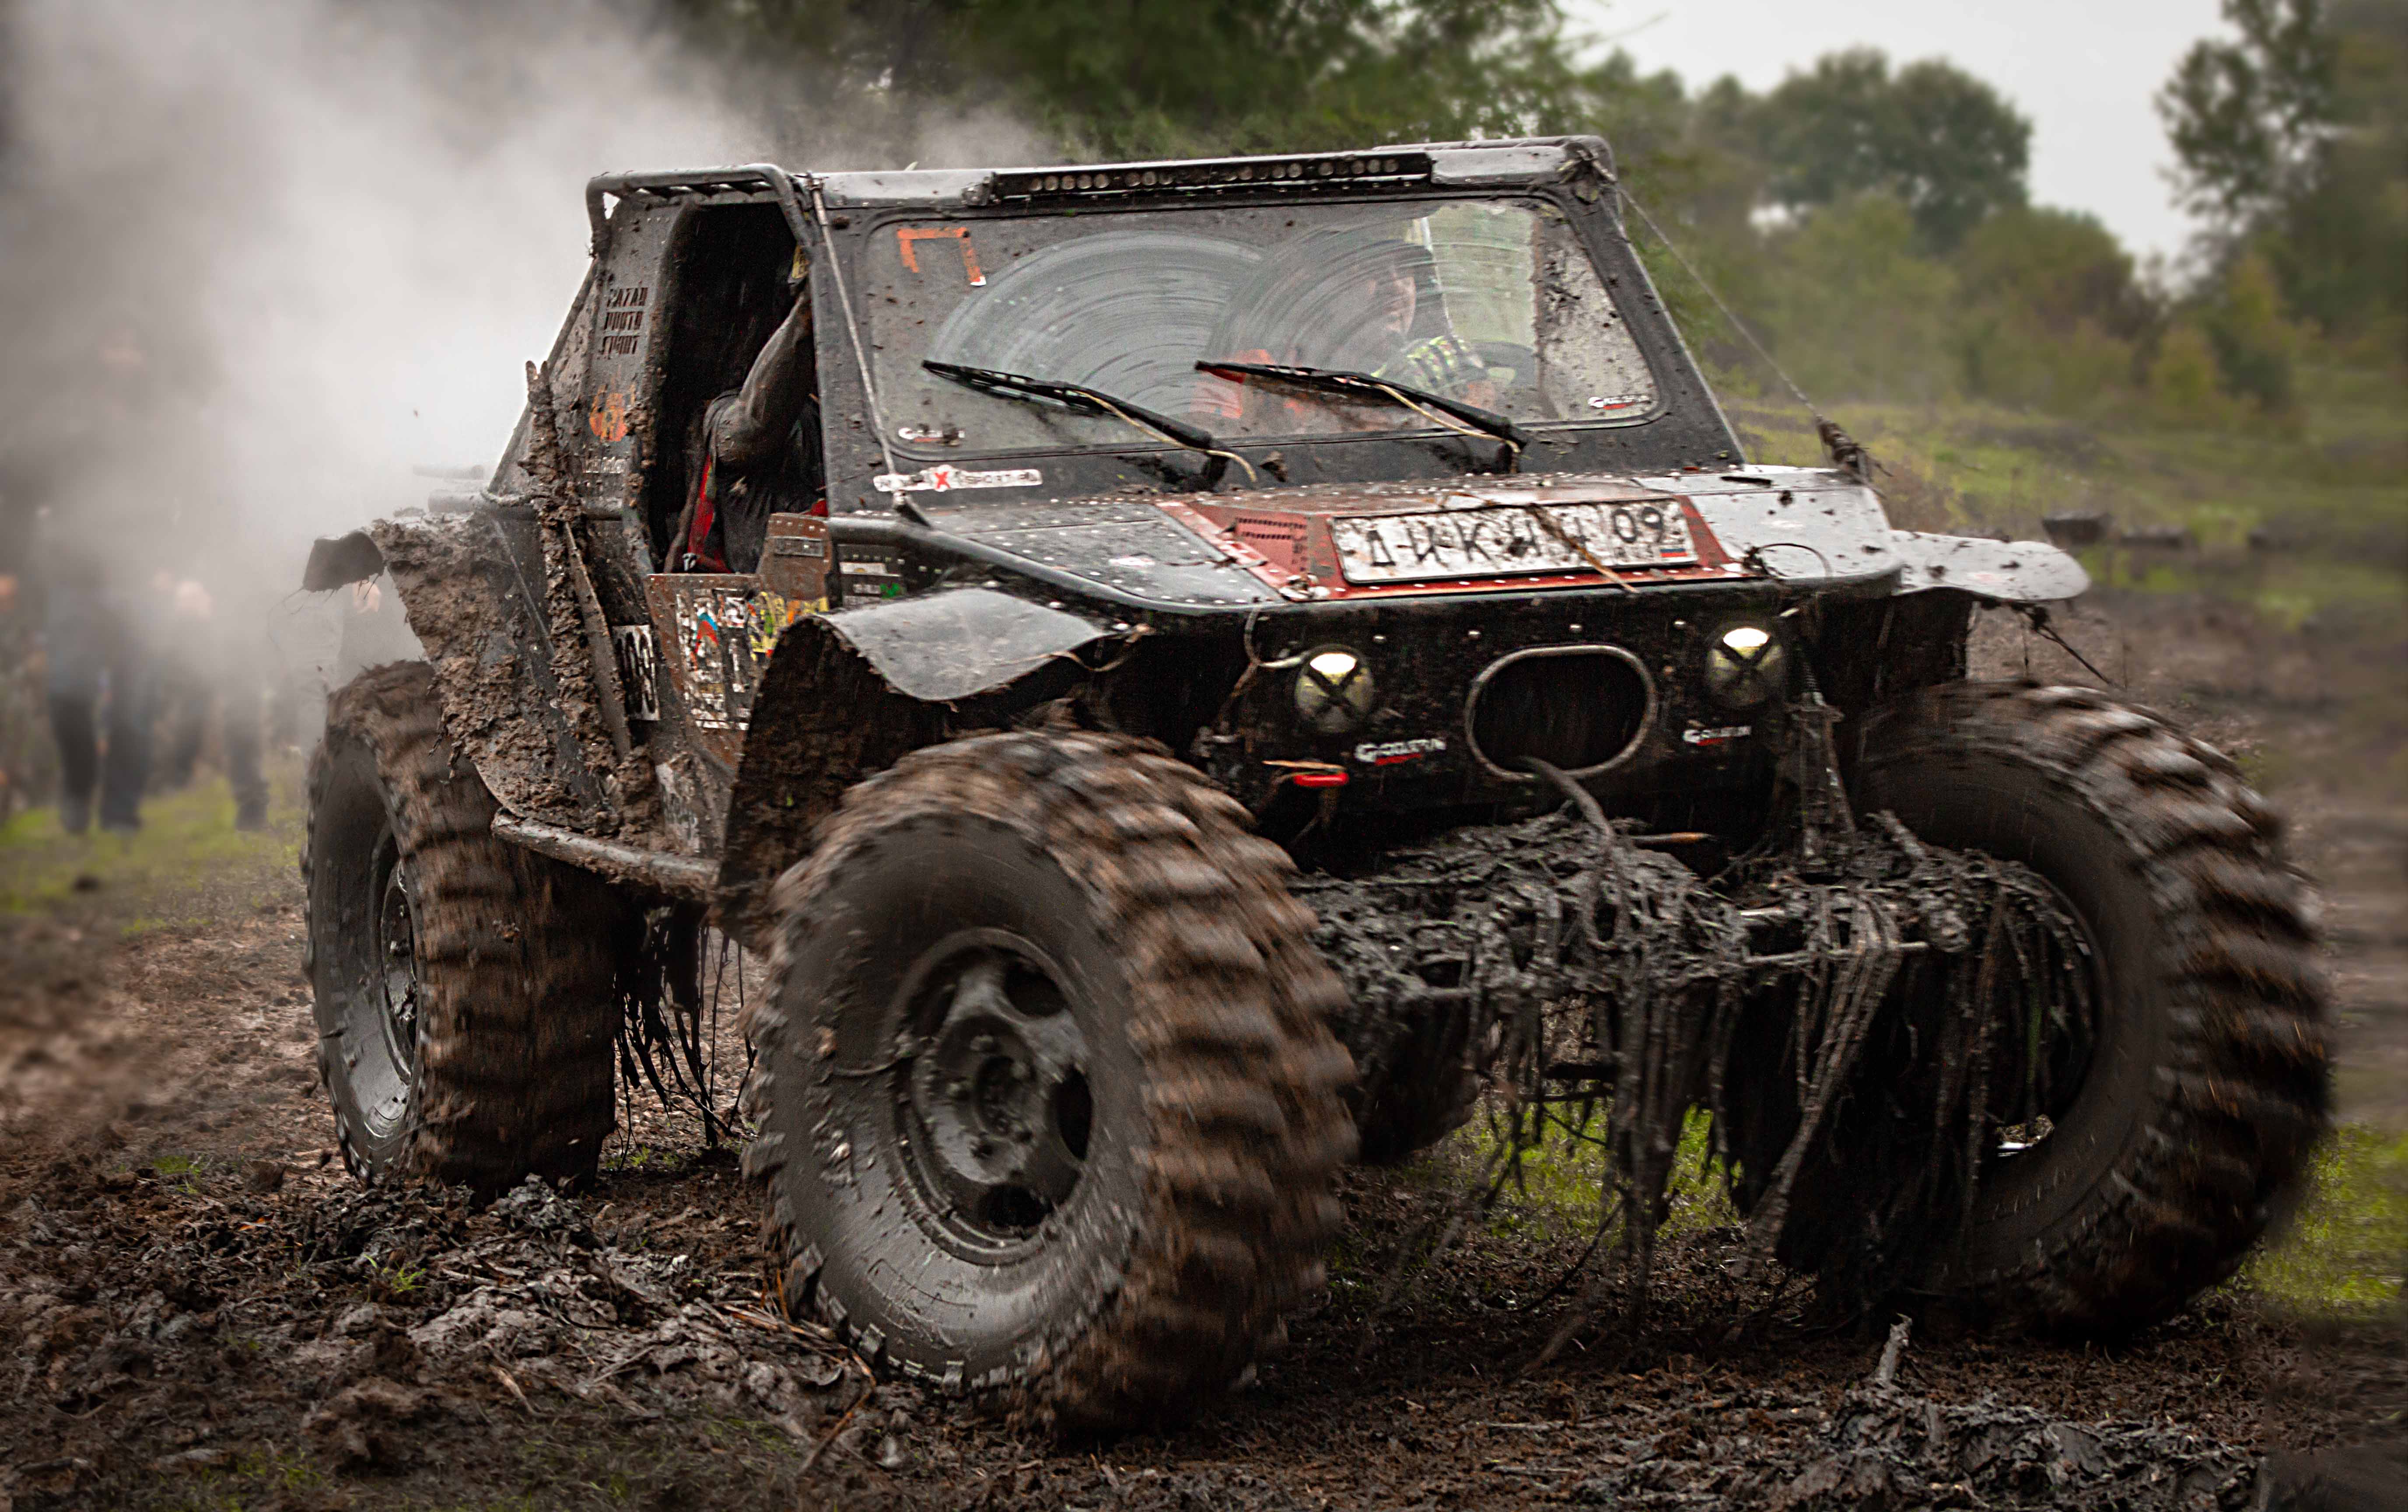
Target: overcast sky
x=2085, y=71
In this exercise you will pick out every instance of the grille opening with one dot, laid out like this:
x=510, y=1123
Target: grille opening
x=1580, y=708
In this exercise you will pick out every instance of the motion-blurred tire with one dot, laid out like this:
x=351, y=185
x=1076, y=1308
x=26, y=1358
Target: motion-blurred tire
x=2208, y=1087
x=467, y=990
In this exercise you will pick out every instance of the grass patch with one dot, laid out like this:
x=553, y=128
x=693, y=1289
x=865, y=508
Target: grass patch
x=175, y=1173
x=256, y=1479
x=648, y=1159
x=186, y=865
x=2322, y=500
x=1559, y=1188
x=2346, y=1249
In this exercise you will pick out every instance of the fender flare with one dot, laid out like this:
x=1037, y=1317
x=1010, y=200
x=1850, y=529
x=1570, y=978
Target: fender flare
x=1998, y=571
x=850, y=693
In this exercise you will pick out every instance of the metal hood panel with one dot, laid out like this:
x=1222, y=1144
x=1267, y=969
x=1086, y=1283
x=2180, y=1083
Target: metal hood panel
x=1804, y=528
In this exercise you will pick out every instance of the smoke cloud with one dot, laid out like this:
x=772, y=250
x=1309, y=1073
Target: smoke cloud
x=263, y=258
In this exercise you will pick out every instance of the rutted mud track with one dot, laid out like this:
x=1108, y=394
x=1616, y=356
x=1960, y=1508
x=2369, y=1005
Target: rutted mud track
x=257, y=1328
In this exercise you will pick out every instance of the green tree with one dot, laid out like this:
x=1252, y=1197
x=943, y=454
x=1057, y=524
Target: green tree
x=1854, y=310
x=2049, y=310
x=2338, y=243
x=1942, y=142
x=2292, y=138
x=2254, y=344
x=1141, y=78
x=2183, y=381
x=2247, y=116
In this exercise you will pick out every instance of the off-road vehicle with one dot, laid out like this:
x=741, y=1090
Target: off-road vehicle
x=1274, y=647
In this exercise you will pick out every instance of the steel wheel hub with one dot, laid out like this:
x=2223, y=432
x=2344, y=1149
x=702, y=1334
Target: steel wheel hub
x=996, y=1104
x=397, y=968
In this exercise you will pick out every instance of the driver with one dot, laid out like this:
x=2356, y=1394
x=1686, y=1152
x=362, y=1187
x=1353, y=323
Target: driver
x=1346, y=299
x=1400, y=329
x=755, y=450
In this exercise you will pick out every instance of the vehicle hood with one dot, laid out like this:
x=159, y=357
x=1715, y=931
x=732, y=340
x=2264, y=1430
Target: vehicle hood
x=1803, y=528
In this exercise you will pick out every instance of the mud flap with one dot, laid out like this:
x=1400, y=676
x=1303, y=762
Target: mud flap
x=339, y=561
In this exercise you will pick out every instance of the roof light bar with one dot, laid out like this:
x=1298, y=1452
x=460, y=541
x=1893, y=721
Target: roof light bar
x=1351, y=170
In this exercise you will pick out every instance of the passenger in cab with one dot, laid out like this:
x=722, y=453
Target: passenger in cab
x=754, y=451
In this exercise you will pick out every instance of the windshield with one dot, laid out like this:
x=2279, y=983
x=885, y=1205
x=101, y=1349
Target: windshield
x=1491, y=302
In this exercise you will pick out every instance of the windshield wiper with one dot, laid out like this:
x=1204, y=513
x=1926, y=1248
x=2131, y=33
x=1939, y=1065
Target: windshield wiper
x=1340, y=381
x=1093, y=401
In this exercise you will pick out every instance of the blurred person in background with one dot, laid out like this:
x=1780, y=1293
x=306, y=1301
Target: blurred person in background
x=27, y=765
x=206, y=676
x=93, y=645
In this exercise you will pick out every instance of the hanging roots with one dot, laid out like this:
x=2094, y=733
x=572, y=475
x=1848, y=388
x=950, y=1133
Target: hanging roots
x=1595, y=985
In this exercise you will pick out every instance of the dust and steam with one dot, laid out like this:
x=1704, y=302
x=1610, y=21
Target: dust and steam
x=263, y=258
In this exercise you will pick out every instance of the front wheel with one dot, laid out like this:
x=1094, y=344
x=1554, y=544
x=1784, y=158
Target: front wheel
x=2207, y=1086
x=1048, y=1100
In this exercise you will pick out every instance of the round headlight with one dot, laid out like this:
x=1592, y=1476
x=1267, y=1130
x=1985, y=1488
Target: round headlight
x=1333, y=691
x=1745, y=666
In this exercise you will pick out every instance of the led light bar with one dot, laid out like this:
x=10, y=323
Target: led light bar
x=1332, y=170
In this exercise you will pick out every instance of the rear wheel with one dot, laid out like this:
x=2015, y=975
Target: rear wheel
x=1048, y=1105
x=467, y=990
x=2204, y=1089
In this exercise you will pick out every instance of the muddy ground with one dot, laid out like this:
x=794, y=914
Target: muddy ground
x=198, y=1309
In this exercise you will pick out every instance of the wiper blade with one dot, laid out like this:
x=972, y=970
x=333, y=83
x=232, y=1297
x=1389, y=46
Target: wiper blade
x=1340, y=381
x=1093, y=401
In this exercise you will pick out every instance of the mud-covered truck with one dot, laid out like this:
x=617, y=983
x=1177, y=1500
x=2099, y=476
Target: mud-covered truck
x=1238, y=661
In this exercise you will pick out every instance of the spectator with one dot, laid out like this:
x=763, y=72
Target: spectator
x=26, y=764
x=205, y=678
x=99, y=692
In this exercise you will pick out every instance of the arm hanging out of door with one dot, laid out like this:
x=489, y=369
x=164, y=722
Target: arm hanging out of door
x=760, y=453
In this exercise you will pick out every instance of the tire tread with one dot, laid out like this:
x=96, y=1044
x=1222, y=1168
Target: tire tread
x=1231, y=1016
x=2246, y=1092
x=518, y=957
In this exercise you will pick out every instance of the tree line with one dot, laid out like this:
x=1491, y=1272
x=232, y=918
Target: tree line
x=1873, y=220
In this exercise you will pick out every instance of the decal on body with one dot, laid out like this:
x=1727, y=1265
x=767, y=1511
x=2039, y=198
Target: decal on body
x=945, y=477
x=1396, y=753
x=1722, y=735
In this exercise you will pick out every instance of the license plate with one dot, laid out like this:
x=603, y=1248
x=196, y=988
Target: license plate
x=1509, y=541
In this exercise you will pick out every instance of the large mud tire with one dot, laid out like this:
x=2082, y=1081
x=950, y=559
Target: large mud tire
x=500, y=1066
x=2208, y=1087
x=1213, y=1125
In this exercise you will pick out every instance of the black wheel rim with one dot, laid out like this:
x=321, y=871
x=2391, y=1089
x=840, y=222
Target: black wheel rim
x=991, y=1089
x=383, y=1030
